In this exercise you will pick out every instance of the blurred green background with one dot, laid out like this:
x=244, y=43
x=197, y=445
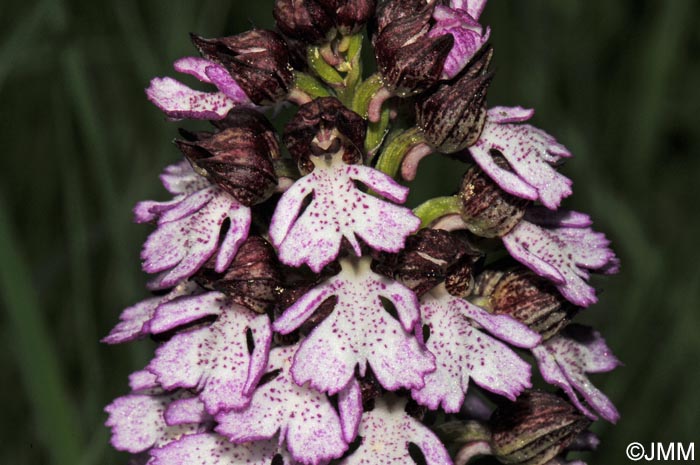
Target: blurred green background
x=617, y=82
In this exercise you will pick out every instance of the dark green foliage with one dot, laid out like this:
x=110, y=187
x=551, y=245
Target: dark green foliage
x=616, y=82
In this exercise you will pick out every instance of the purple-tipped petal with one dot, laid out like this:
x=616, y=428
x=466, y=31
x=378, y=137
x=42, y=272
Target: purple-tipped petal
x=358, y=331
x=178, y=101
x=180, y=312
x=189, y=228
x=563, y=255
x=212, y=449
x=504, y=327
x=138, y=424
x=225, y=83
x=180, y=178
x=529, y=152
x=386, y=433
x=142, y=380
x=350, y=409
x=304, y=417
x=135, y=321
x=504, y=115
x=215, y=359
x=338, y=210
x=185, y=411
x=194, y=66
x=469, y=36
x=473, y=7
x=462, y=352
x=564, y=361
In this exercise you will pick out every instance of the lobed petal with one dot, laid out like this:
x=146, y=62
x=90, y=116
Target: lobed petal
x=189, y=229
x=350, y=409
x=529, y=152
x=212, y=449
x=359, y=331
x=304, y=417
x=562, y=254
x=183, y=311
x=180, y=178
x=463, y=352
x=564, y=361
x=338, y=210
x=138, y=423
x=215, y=359
x=135, y=320
x=386, y=433
x=189, y=410
x=178, y=101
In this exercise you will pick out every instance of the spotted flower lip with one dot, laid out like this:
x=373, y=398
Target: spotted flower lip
x=564, y=361
x=178, y=101
x=463, y=352
x=386, y=432
x=339, y=210
x=214, y=359
x=138, y=421
x=213, y=449
x=562, y=251
x=305, y=419
x=530, y=153
x=358, y=331
x=188, y=227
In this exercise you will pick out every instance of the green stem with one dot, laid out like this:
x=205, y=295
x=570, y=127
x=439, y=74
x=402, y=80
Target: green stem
x=392, y=155
x=310, y=85
x=325, y=71
x=364, y=93
x=376, y=132
x=433, y=209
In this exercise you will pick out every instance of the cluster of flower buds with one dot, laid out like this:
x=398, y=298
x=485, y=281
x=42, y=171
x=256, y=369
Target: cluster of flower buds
x=303, y=314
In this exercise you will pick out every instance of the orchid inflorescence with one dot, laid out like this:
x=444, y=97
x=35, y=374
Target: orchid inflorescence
x=303, y=314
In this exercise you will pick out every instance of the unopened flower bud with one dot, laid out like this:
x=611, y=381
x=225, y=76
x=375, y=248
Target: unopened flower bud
x=535, y=428
x=238, y=158
x=350, y=15
x=408, y=59
x=325, y=126
x=305, y=20
x=453, y=116
x=392, y=10
x=252, y=278
x=430, y=257
x=488, y=210
x=258, y=60
x=528, y=298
